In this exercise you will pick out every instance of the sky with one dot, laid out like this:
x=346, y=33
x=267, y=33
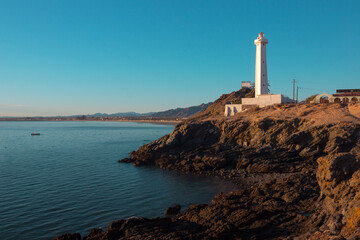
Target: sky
x=82, y=57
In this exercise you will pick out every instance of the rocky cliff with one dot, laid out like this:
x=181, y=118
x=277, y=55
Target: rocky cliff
x=298, y=178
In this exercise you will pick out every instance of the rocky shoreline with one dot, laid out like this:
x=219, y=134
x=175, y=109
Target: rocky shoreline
x=297, y=180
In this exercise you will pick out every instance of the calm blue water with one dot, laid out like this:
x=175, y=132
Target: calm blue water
x=68, y=178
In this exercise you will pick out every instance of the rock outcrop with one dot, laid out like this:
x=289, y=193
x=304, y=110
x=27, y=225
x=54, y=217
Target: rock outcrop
x=297, y=179
x=301, y=174
x=175, y=209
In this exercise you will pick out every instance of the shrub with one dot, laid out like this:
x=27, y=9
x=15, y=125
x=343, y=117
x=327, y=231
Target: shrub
x=236, y=101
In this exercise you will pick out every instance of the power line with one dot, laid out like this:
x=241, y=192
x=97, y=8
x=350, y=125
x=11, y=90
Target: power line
x=311, y=89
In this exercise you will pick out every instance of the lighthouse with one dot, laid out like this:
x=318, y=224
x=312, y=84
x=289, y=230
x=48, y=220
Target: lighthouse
x=261, y=78
x=262, y=97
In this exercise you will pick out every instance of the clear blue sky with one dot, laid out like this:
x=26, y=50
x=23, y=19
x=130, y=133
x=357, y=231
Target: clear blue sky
x=79, y=57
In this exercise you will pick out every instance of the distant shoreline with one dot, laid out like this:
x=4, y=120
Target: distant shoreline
x=152, y=121
x=164, y=122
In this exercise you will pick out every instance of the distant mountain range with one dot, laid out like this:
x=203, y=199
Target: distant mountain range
x=120, y=114
x=172, y=113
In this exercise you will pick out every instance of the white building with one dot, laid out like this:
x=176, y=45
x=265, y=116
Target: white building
x=341, y=96
x=246, y=84
x=262, y=96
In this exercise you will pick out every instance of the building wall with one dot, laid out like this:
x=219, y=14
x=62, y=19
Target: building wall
x=343, y=99
x=264, y=100
x=232, y=109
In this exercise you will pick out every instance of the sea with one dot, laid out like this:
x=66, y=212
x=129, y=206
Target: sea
x=68, y=179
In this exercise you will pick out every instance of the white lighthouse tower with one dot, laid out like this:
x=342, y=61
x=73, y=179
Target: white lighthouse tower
x=262, y=97
x=261, y=78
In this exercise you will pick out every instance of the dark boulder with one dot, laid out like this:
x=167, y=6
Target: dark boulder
x=175, y=209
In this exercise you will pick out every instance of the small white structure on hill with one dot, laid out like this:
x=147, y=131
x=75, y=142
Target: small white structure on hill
x=246, y=84
x=262, y=96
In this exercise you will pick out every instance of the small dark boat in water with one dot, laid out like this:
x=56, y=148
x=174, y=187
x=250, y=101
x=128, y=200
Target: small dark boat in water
x=34, y=134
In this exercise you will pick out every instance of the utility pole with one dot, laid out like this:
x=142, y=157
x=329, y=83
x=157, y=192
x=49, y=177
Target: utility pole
x=297, y=94
x=294, y=81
